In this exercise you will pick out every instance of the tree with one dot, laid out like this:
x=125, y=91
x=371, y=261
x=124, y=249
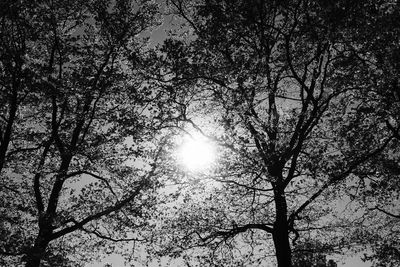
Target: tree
x=284, y=86
x=80, y=136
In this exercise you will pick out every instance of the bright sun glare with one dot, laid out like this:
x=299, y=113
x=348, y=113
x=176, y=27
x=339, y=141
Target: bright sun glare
x=196, y=153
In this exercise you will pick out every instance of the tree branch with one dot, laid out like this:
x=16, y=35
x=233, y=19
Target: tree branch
x=104, y=180
x=395, y=131
x=98, y=234
x=236, y=230
x=337, y=178
x=120, y=204
x=38, y=174
x=387, y=212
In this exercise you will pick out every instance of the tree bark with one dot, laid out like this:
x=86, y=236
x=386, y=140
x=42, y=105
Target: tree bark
x=5, y=139
x=36, y=253
x=280, y=233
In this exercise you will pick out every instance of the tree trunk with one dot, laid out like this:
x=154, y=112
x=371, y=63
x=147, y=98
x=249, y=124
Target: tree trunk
x=5, y=139
x=36, y=253
x=281, y=231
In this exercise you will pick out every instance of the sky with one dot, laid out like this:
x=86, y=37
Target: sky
x=118, y=261
x=354, y=261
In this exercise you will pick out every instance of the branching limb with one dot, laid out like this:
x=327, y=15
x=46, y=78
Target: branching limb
x=336, y=178
x=234, y=231
x=387, y=212
x=102, y=236
x=38, y=174
x=395, y=132
x=117, y=206
x=104, y=180
x=244, y=185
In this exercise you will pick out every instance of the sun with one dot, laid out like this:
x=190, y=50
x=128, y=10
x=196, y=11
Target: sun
x=196, y=153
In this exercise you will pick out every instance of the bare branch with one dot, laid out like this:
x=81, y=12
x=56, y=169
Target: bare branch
x=23, y=149
x=243, y=185
x=119, y=205
x=395, y=131
x=236, y=230
x=98, y=234
x=336, y=178
x=387, y=212
x=104, y=180
x=10, y=188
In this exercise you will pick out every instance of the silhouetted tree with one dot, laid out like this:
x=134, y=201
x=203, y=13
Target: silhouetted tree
x=80, y=141
x=283, y=82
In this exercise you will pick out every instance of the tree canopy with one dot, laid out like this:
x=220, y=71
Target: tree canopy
x=80, y=141
x=300, y=99
x=294, y=87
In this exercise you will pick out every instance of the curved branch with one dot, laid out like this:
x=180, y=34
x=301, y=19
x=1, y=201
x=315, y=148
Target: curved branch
x=337, y=178
x=236, y=230
x=104, y=180
x=98, y=234
x=119, y=205
x=244, y=185
x=387, y=212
